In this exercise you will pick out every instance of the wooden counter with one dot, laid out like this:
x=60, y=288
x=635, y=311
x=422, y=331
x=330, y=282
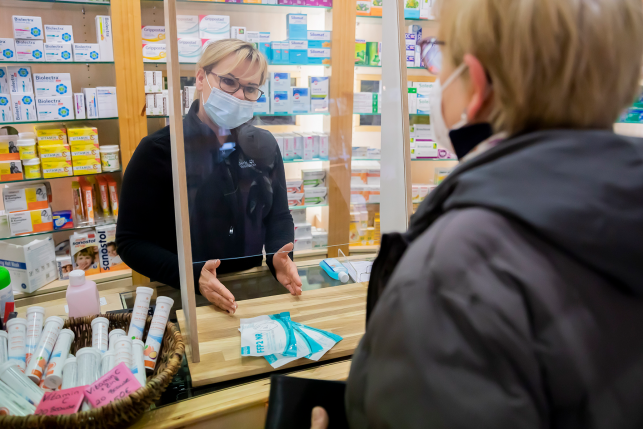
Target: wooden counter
x=339, y=309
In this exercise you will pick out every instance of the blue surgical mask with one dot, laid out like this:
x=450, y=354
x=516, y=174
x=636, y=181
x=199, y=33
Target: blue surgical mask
x=226, y=110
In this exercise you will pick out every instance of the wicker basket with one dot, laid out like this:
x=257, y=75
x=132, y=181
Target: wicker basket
x=126, y=411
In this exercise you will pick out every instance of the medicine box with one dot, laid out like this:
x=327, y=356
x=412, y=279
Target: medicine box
x=30, y=50
x=23, y=198
x=91, y=103
x=316, y=196
x=86, y=166
x=262, y=105
x=55, y=152
x=107, y=249
x=10, y=170
x=295, y=200
x=52, y=84
x=298, y=52
x=63, y=264
x=106, y=99
x=150, y=105
x=56, y=168
x=298, y=216
x=323, y=145
x=412, y=97
x=31, y=221
x=277, y=52
x=214, y=27
x=320, y=238
x=365, y=102
x=303, y=230
x=154, y=53
x=314, y=178
x=7, y=50
x=20, y=80
x=253, y=37
x=363, y=7
x=149, y=82
x=303, y=244
x=79, y=106
x=412, y=10
x=83, y=135
x=153, y=33
x=23, y=107
x=86, y=52
x=264, y=45
x=47, y=136
x=4, y=81
x=62, y=220
x=294, y=186
x=85, y=150
x=299, y=145
x=279, y=81
x=297, y=26
x=55, y=108
x=300, y=100
x=423, y=105
x=187, y=26
x=360, y=51
x=5, y=108
x=84, y=251
x=190, y=49
x=374, y=53
x=31, y=263
x=319, y=93
x=318, y=39
x=421, y=131
x=104, y=37
x=288, y=152
x=59, y=34
x=319, y=56
x=238, y=33
x=58, y=52
x=27, y=27
x=162, y=103
x=308, y=146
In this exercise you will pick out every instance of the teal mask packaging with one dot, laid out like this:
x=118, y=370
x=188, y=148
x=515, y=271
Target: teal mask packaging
x=297, y=26
x=306, y=346
x=325, y=339
x=268, y=335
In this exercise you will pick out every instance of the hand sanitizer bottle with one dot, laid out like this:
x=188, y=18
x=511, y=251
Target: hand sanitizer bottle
x=335, y=269
x=82, y=295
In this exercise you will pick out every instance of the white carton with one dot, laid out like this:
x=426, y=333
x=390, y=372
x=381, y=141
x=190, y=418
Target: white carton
x=423, y=105
x=4, y=81
x=107, y=249
x=153, y=33
x=187, y=26
x=280, y=143
x=300, y=100
x=150, y=104
x=319, y=93
x=20, y=80
x=190, y=49
x=253, y=36
x=154, y=53
x=31, y=263
x=27, y=27
x=303, y=230
x=153, y=81
x=316, y=196
x=323, y=145
x=314, y=178
x=188, y=97
x=30, y=221
x=303, y=243
x=52, y=84
x=54, y=108
x=30, y=50
x=104, y=37
x=214, y=27
x=25, y=197
x=84, y=251
x=238, y=33
x=299, y=145
x=106, y=99
x=7, y=50
x=308, y=146
x=23, y=107
x=161, y=103
x=289, y=147
x=79, y=106
x=58, y=52
x=86, y=52
x=91, y=103
x=59, y=33
x=5, y=108
x=298, y=216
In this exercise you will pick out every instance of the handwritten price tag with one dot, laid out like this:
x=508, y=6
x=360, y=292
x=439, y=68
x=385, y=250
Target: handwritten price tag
x=61, y=402
x=116, y=384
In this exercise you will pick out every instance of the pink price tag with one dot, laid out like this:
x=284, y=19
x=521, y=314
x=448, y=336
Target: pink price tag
x=116, y=384
x=61, y=402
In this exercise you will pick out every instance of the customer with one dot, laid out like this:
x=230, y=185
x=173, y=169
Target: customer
x=519, y=300
x=235, y=178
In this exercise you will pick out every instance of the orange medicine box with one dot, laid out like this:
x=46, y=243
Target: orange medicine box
x=113, y=195
x=10, y=170
x=9, y=148
x=31, y=221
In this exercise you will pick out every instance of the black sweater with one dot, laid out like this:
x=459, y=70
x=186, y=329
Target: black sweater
x=236, y=198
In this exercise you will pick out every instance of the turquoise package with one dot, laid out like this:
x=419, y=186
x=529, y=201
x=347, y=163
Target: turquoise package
x=297, y=26
x=306, y=346
x=268, y=335
x=324, y=338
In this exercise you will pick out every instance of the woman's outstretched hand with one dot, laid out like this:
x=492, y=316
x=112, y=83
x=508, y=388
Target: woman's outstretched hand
x=286, y=270
x=213, y=289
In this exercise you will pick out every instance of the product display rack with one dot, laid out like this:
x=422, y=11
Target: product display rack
x=76, y=228
x=27, y=63
x=59, y=178
x=57, y=121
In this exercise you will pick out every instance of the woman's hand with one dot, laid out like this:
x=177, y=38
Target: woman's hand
x=319, y=418
x=286, y=270
x=213, y=289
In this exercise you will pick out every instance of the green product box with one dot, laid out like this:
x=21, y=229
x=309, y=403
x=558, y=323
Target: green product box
x=374, y=53
x=360, y=52
x=376, y=104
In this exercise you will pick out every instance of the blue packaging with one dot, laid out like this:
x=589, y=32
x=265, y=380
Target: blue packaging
x=62, y=219
x=276, y=49
x=297, y=26
x=264, y=45
x=281, y=102
x=318, y=56
x=298, y=52
x=318, y=39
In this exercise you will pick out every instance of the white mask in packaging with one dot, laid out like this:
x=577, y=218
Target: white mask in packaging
x=267, y=335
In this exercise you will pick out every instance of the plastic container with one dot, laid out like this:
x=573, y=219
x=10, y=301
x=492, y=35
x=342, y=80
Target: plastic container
x=35, y=322
x=152, y=348
x=108, y=362
x=124, y=351
x=138, y=363
x=82, y=295
x=27, y=149
x=109, y=158
x=113, y=337
x=139, y=313
x=16, y=350
x=87, y=365
x=99, y=334
x=53, y=377
x=13, y=404
x=20, y=383
x=32, y=168
x=70, y=373
x=27, y=135
x=335, y=269
x=38, y=363
x=3, y=347
x=6, y=294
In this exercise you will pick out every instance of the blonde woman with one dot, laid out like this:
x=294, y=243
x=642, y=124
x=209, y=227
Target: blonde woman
x=236, y=185
x=517, y=301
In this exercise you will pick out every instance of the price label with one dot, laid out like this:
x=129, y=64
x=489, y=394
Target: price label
x=116, y=384
x=65, y=401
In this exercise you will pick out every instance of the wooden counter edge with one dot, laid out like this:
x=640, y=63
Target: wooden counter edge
x=236, y=399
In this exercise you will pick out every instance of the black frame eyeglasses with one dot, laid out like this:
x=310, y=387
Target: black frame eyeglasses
x=232, y=85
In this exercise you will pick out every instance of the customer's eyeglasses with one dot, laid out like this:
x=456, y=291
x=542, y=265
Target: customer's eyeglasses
x=431, y=54
x=232, y=85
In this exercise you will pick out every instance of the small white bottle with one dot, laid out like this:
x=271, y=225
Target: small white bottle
x=82, y=295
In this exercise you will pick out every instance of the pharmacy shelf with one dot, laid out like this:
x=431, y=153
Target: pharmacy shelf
x=379, y=67
x=375, y=114
x=307, y=206
x=259, y=114
x=145, y=63
x=98, y=3
x=77, y=228
x=103, y=281
x=246, y=4
x=59, y=121
x=357, y=158
x=433, y=159
x=27, y=63
x=294, y=161
x=368, y=17
x=57, y=178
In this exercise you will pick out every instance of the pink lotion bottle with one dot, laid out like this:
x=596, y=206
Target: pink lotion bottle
x=82, y=295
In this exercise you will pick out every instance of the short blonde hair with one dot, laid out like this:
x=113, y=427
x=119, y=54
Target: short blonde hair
x=221, y=49
x=552, y=63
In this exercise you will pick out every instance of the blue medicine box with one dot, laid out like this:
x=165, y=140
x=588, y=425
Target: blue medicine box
x=279, y=52
x=319, y=39
x=298, y=52
x=297, y=26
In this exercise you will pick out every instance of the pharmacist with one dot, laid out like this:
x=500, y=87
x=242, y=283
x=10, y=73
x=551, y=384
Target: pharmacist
x=236, y=185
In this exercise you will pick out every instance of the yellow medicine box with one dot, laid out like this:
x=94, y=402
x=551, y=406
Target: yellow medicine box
x=55, y=152
x=86, y=166
x=56, y=168
x=51, y=136
x=10, y=170
x=85, y=150
x=84, y=134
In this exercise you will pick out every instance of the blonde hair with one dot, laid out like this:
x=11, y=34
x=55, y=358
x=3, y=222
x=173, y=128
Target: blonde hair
x=244, y=51
x=552, y=63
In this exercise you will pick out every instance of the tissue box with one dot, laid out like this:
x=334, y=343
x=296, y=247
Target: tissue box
x=31, y=263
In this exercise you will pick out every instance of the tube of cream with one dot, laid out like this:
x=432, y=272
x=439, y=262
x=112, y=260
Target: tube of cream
x=16, y=350
x=35, y=321
x=53, y=377
x=38, y=363
x=139, y=314
x=157, y=330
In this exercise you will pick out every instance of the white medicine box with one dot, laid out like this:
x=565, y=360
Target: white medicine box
x=20, y=80
x=58, y=52
x=30, y=50
x=7, y=50
x=86, y=52
x=5, y=108
x=55, y=108
x=59, y=34
x=27, y=27
x=52, y=84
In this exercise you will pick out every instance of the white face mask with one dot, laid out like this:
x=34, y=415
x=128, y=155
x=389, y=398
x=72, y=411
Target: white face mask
x=440, y=129
x=226, y=110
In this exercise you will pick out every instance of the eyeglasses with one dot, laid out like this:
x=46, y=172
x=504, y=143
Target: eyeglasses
x=431, y=54
x=232, y=85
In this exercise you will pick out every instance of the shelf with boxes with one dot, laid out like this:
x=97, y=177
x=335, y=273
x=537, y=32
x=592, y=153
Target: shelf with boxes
x=318, y=4
x=54, y=62
x=82, y=2
x=413, y=9
x=368, y=54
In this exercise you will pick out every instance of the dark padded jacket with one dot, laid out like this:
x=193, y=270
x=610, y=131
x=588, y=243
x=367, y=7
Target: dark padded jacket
x=519, y=302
